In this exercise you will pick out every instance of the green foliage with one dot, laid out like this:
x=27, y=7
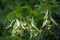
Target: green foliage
x=30, y=19
x=11, y=38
